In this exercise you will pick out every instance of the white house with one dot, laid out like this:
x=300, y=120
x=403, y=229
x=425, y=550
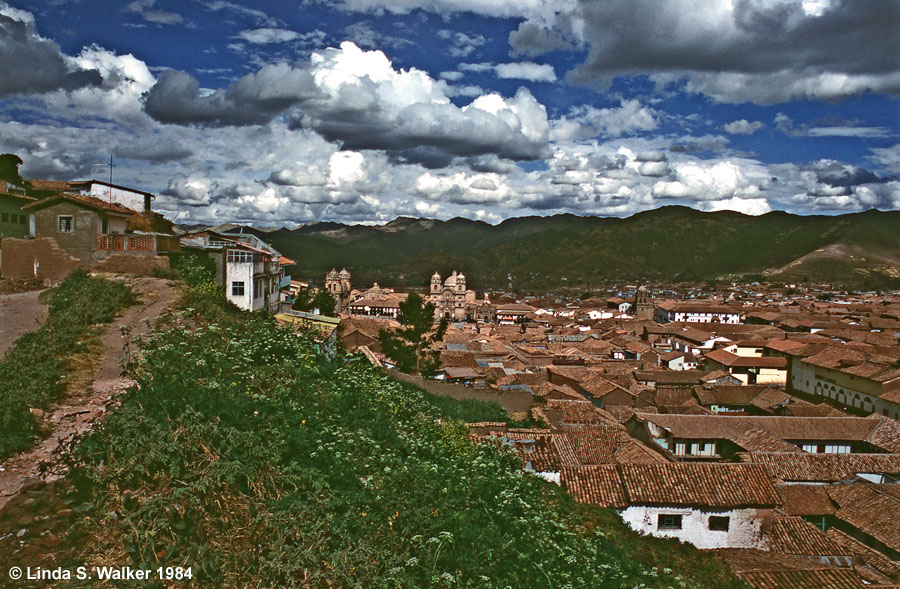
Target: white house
x=251, y=271
x=136, y=200
x=707, y=505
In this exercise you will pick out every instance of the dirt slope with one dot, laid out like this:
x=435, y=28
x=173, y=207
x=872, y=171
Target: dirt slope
x=89, y=397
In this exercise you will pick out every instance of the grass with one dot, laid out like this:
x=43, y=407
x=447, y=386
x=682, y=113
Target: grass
x=244, y=454
x=34, y=372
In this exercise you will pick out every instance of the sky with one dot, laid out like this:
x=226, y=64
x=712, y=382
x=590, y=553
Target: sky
x=278, y=113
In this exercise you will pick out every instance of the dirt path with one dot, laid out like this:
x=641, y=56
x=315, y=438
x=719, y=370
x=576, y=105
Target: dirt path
x=21, y=313
x=76, y=412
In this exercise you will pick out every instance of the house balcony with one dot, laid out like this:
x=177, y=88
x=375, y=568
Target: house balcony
x=138, y=243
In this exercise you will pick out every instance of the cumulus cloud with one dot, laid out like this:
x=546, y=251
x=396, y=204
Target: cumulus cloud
x=742, y=127
x=461, y=188
x=583, y=122
x=713, y=180
x=359, y=99
x=32, y=64
x=748, y=206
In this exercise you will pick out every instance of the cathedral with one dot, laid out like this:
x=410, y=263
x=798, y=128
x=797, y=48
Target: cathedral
x=338, y=285
x=450, y=297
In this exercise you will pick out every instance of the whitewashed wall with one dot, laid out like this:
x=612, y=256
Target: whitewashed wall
x=748, y=527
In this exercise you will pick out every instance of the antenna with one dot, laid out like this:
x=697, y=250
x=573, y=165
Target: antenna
x=110, y=164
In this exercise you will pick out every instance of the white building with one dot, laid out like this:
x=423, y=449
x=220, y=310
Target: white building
x=853, y=378
x=136, y=200
x=251, y=271
x=688, y=312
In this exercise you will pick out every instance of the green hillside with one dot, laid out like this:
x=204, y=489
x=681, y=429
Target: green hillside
x=670, y=243
x=249, y=457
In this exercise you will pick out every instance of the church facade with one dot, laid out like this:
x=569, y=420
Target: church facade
x=338, y=285
x=450, y=297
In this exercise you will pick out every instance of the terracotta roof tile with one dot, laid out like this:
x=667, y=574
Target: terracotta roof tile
x=695, y=484
x=793, y=535
x=598, y=485
x=823, y=468
x=805, y=499
x=865, y=508
x=832, y=578
x=89, y=201
x=869, y=556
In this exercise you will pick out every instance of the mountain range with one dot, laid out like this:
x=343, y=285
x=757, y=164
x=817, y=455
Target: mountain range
x=859, y=250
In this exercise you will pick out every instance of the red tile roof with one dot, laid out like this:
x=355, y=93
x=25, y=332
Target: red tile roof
x=805, y=499
x=832, y=578
x=695, y=484
x=88, y=201
x=793, y=535
x=866, y=508
x=823, y=468
x=598, y=485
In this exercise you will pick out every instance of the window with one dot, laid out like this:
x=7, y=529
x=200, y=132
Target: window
x=237, y=289
x=22, y=219
x=4, y=218
x=718, y=523
x=668, y=521
x=64, y=223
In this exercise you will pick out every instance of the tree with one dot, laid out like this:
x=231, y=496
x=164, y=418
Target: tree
x=9, y=168
x=324, y=302
x=303, y=300
x=410, y=345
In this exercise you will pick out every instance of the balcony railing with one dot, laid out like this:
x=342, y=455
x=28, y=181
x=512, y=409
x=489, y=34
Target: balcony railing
x=134, y=242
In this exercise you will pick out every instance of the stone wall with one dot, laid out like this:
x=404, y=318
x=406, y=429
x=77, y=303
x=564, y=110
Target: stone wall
x=35, y=258
x=509, y=400
x=143, y=265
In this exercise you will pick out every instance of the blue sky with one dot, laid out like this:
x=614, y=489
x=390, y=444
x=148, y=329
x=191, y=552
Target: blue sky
x=358, y=111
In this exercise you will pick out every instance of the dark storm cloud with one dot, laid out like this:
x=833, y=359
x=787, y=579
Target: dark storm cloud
x=839, y=174
x=852, y=37
x=254, y=99
x=744, y=50
x=157, y=151
x=31, y=64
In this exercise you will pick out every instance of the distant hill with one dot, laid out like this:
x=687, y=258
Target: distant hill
x=860, y=250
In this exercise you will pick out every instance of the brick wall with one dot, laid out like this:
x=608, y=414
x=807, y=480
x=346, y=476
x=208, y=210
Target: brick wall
x=35, y=258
